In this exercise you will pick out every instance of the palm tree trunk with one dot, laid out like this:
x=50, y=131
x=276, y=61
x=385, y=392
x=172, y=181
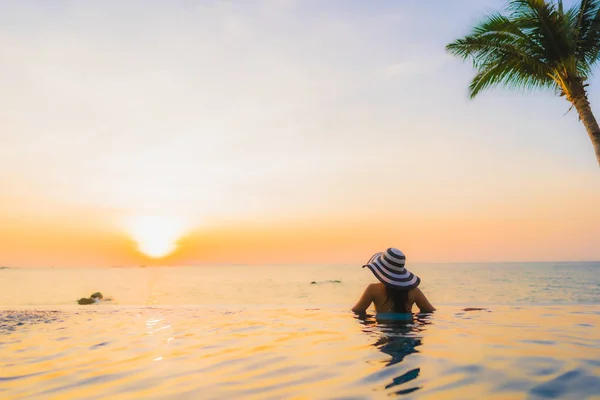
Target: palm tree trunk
x=581, y=103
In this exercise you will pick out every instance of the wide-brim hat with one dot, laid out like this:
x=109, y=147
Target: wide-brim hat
x=388, y=268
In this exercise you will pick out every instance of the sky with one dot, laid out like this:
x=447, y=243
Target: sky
x=276, y=131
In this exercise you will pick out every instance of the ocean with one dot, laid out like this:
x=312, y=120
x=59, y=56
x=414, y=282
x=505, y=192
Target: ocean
x=286, y=332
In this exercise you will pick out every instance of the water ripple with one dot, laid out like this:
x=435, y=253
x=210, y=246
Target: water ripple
x=282, y=353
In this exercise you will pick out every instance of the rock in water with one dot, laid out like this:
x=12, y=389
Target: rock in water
x=95, y=297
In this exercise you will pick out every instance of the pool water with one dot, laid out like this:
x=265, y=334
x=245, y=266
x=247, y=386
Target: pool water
x=119, y=352
x=190, y=333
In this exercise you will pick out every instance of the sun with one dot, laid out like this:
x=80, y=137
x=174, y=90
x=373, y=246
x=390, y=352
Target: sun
x=156, y=236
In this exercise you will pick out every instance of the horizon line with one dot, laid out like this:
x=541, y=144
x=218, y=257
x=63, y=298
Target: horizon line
x=221, y=264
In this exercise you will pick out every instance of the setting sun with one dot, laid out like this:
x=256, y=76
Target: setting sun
x=156, y=236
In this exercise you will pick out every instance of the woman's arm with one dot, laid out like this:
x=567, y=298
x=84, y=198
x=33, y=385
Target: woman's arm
x=364, y=302
x=422, y=302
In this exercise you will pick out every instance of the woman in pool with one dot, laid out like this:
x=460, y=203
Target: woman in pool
x=398, y=290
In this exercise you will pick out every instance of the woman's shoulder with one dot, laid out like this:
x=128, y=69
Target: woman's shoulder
x=380, y=287
x=414, y=293
x=376, y=287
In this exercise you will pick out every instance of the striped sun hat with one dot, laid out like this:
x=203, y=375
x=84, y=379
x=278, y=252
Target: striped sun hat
x=388, y=267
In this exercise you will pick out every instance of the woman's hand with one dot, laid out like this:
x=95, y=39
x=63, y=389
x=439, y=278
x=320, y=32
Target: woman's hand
x=365, y=301
x=422, y=302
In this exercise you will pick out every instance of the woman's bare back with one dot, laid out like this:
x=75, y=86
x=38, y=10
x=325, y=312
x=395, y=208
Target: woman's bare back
x=376, y=293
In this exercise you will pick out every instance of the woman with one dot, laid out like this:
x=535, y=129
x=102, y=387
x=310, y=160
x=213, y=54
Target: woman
x=398, y=289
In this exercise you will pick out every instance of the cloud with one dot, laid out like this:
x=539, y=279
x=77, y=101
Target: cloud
x=414, y=67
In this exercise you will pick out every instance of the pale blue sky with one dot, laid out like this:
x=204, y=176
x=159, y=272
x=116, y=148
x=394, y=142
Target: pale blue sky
x=226, y=110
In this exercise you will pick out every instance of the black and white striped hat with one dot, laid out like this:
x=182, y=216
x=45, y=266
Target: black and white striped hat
x=388, y=267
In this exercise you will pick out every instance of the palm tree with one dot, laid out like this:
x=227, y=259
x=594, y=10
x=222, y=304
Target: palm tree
x=538, y=44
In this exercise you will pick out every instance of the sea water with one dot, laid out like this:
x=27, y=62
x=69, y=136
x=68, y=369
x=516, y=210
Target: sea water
x=275, y=332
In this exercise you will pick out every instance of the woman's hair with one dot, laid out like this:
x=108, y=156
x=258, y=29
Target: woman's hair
x=399, y=299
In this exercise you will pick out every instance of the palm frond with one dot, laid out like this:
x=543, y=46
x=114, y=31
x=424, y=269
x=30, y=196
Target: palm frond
x=510, y=71
x=500, y=25
x=543, y=22
x=560, y=6
x=537, y=43
x=502, y=54
x=587, y=11
x=587, y=40
x=484, y=49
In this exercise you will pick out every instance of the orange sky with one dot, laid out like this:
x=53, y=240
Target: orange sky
x=259, y=141
x=530, y=230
